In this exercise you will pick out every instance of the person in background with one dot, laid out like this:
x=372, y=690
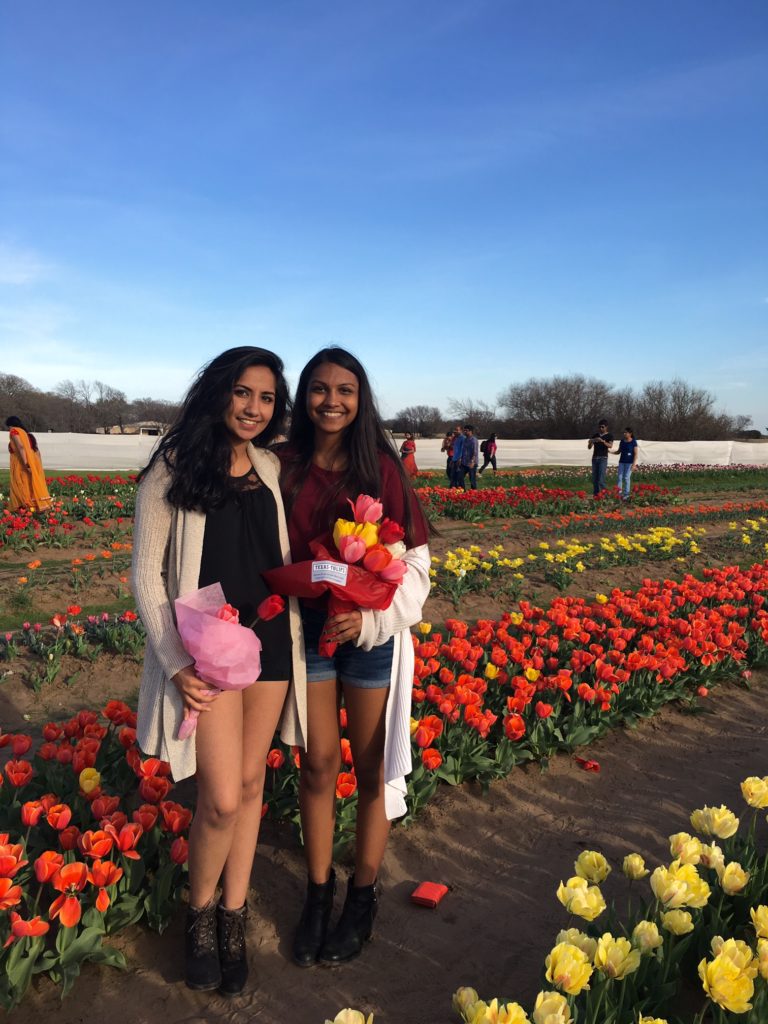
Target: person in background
x=601, y=443
x=488, y=449
x=408, y=455
x=337, y=450
x=447, y=448
x=28, y=487
x=458, y=444
x=209, y=510
x=627, y=462
x=469, y=453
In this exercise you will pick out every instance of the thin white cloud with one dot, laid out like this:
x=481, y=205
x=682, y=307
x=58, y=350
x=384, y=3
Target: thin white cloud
x=19, y=266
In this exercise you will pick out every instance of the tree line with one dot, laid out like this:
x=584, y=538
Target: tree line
x=80, y=406
x=571, y=406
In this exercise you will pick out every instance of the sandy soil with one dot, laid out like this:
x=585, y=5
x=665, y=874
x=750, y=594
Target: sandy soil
x=501, y=853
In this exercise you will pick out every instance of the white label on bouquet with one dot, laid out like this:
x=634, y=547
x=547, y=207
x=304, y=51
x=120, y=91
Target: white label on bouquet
x=330, y=572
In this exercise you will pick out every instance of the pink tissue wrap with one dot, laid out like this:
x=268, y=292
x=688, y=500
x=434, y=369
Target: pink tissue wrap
x=227, y=654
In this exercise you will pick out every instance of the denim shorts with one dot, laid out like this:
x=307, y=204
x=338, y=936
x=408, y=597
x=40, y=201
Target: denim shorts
x=369, y=670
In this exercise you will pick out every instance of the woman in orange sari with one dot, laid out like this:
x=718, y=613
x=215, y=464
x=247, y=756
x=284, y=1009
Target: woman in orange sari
x=408, y=455
x=28, y=489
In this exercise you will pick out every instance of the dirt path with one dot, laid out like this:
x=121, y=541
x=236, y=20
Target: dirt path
x=502, y=853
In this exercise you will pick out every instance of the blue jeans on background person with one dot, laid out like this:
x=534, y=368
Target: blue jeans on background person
x=472, y=470
x=599, y=467
x=625, y=472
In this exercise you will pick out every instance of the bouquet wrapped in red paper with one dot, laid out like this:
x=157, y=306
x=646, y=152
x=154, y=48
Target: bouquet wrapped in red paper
x=227, y=654
x=364, y=571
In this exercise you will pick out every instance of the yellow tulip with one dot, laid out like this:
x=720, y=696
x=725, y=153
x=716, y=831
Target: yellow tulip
x=584, y=942
x=679, y=885
x=651, y=1020
x=759, y=917
x=593, y=866
x=715, y=821
x=349, y=1016
x=762, y=958
x=726, y=984
x=645, y=937
x=414, y=725
x=616, y=958
x=491, y=671
x=367, y=532
x=733, y=878
x=601, y=598
x=425, y=628
x=463, y=998
x=580, y=898
x=493, y=1013
x=89, y=779
x=531, y=674
x=685, y=848
x=755, y=791
x=634, y=867
x=712, y=857
x=568, y=968
x=551, y=1008
x=737, y=951
x=679, y=922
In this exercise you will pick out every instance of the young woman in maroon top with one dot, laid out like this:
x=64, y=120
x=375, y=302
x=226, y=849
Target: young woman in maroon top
x=338, y=449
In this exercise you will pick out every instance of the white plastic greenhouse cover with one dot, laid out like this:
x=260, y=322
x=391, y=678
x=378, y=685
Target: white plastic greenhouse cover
x=126, y=452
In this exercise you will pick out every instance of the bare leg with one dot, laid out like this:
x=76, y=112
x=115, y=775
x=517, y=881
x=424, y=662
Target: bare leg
x=320, y=765
x=365, y=724
x=221, y=779
x=262, y=705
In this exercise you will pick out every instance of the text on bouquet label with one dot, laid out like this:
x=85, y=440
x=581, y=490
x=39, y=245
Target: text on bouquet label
x=330, y=572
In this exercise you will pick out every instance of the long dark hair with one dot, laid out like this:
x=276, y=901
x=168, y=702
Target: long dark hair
x=14, y=421
x=364, y=440
x=197, y=449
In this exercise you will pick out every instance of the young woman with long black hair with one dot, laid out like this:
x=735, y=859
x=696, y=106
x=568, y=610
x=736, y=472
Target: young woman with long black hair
x=337, y=449
x=209, y=510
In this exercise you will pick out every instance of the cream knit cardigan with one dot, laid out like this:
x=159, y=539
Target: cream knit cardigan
x=167, y=552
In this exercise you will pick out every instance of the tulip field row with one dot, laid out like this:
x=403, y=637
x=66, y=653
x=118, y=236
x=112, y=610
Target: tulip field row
x=91, y=840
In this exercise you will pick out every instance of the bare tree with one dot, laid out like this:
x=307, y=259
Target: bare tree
x=482, y=416
x=424, y=420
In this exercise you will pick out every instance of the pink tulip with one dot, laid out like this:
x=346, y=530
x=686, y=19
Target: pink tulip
x=351, y=548
x=395, y=571
x=228, y=613
x=366, y=509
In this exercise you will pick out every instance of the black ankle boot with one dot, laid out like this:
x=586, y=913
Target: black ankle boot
x=355, y=925
x=313, y=924
x=201, y=961
x=233, y=956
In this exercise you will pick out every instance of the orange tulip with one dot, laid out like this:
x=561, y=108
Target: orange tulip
x=431, y=758
x=126, y=838
x=275, y=758
x=10, y=894
x=69, y=880
x=59, y=816
x=180, y=850
x=346, y=784
x=47, y=864
x=102, y=874
x=18, y=773
x=175, y=817
x=21, y=929
x=11, y=859
x=95, y=843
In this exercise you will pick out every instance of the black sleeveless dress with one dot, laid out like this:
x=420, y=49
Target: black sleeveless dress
x=241, y=539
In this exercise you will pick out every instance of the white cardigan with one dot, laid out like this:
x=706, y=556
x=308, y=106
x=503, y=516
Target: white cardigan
x=404, y=612
x=167, y=551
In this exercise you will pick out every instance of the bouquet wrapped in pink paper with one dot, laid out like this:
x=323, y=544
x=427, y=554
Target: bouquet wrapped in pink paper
x=227, y=654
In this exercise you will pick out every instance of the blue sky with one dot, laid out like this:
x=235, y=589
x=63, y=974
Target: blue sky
x=464, y=193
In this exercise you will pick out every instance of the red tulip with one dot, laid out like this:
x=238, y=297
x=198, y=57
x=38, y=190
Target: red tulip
x=376, y=558
x=271, y=607
x=31, y=812
x=11, y=859
x=180, y=850
x=126, y=837
x=10, y=894
x=18, y=773
x=68, y=837
x=59, y=816
x=431, y=758
x=275, y=758
x=146, y=816
x=175, y=817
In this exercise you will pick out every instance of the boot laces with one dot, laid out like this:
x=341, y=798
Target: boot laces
x=233, y=933
x=202, y=927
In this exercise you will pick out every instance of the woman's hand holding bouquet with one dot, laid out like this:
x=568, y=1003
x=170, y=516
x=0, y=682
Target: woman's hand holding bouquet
x=227, y=654
x=361, y=569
